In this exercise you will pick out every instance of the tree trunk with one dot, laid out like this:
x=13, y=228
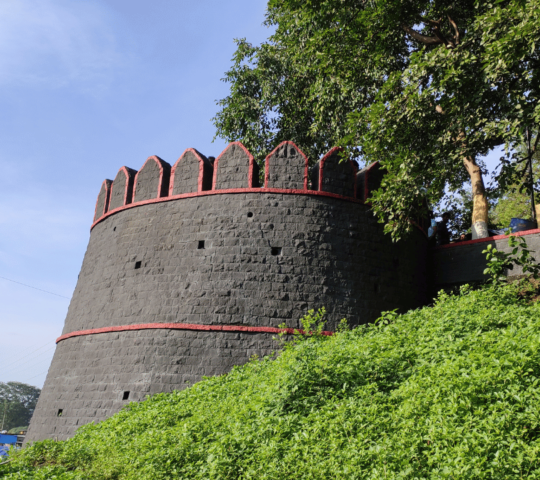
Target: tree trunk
x=480, y=203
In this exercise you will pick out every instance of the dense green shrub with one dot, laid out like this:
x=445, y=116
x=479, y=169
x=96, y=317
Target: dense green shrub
x=449, y=391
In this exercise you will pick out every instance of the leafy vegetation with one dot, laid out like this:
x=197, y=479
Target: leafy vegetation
x=459, y=205
x=448, y=391
x=425, y=87
x=17, y=404
x=499, y=262
x=515, y=199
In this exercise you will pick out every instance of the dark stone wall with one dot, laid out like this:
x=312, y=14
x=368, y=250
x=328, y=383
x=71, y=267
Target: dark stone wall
x=267, y=258
x=331, y=250
x=89, y=375
x=286, y=167
x=457, y=264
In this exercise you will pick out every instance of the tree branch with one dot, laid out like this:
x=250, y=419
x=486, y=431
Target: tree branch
x=536, y=142
x=422, y=38
x=456, y=29
x=436, y=28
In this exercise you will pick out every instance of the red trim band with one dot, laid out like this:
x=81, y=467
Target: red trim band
x=487, y=239
x=222, y=192
x=182, y=326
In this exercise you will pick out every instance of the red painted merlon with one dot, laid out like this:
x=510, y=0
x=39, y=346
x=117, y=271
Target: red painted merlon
x=164, y=177
x=268, y=166
x=319, y=177
x=204, y=179
x=362, y=181
x=124, y=181
x=252, y=181
x=208, y=176
x=102, y=202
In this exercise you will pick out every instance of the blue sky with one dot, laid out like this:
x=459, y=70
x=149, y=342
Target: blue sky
x=86, y=87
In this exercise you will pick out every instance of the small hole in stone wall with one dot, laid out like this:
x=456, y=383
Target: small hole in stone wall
x=200, y=246
x=125, y=396
x=276, y=251
x=250, y=214
x=59, y=414
x=138, y=265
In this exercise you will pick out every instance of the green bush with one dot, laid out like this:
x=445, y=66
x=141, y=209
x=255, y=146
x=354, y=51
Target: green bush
x=449, y=391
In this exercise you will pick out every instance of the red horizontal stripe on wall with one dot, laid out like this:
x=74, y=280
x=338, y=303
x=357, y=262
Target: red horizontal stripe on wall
x=487, y=239
x=224, y=192
x=181, y=326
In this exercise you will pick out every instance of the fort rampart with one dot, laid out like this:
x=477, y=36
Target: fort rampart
x=192, y=268
x=463, y=262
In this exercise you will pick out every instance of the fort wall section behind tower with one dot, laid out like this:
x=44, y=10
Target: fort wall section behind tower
x=191, y=274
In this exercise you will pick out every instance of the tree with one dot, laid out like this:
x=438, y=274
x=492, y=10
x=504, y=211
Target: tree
x=17, y=403
x=459, y=205
x=515, y=199
x=424, y=87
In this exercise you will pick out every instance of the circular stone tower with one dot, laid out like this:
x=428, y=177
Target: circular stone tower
x=191, y=269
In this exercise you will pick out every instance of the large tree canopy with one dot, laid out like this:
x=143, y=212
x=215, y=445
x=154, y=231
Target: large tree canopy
x=17, y=404
x=424, y=87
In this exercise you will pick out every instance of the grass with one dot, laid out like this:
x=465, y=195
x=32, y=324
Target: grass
x=448, y=391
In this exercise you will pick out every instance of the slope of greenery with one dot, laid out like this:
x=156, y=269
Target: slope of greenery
x=448, y=391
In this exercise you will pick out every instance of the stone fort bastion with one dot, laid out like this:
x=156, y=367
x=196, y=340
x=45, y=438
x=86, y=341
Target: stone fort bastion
x=191, y=269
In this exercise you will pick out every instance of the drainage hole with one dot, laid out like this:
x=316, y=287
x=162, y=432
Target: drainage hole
x=276, y=251
x=250, y=214
x=59, y=414
x=138, y=265
x=125, y=396
x=200, y=246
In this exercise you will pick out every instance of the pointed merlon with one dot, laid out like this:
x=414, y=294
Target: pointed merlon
x=235, y=168
x=102, y=203
x=122, y=188
x=368, y=180
x=191, y=173
x=286, y=167
x=334, y=174
x=152, y=180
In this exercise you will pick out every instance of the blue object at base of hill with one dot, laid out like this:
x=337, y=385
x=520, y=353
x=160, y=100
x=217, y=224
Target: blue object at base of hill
x=521, y=225
x=11, y=439
x=4, y=450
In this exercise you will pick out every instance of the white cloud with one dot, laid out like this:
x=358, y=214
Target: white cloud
x=56, y=43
